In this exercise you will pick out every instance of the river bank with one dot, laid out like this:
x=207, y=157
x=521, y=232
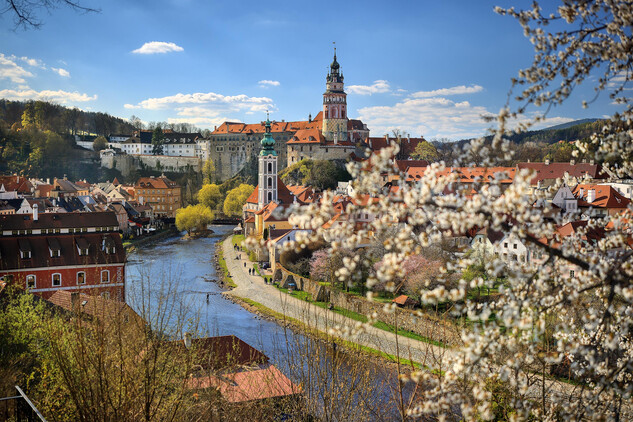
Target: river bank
x=131, y=245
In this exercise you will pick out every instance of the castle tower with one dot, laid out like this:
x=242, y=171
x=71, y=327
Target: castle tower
x=334, y=105
x=267, y=176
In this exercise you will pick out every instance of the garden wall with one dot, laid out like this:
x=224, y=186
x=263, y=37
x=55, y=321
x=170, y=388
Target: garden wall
x=417, y=322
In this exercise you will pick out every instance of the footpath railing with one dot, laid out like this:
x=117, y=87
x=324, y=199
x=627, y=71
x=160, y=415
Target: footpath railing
x=19, y=408
x=415, y=321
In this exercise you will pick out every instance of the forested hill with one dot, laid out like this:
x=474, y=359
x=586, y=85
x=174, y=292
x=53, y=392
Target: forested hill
x=566, y=132
x=59, y=119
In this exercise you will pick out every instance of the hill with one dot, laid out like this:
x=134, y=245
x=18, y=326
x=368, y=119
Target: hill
x=59, y=119
x=570, y=124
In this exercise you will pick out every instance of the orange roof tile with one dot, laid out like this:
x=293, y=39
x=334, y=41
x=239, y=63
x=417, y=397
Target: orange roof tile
x=606, y=196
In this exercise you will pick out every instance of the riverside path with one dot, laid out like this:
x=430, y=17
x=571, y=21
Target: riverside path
x=253, y=287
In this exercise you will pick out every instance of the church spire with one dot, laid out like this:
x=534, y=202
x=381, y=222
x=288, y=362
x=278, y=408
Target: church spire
x=268, y=143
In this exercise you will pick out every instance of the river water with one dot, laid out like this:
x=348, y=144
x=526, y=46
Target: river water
x=182, y=270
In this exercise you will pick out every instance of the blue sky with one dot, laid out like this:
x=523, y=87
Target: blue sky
x=426, y=67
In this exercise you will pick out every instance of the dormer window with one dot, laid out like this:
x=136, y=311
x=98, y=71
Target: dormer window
x=82, y=246
x=25, y=249
x=53, y=247
x=108, y=245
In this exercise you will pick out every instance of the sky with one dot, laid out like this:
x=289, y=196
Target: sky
x=428, y=68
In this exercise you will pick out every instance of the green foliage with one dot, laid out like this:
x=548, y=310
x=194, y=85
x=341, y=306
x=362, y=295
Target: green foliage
x=99, y=143
x=44, y=115
x=210, y=196
x=425, y=151
x=158, y=139
x=193, y=217
x=320, y=174
x=208, y=171
x=236, y=198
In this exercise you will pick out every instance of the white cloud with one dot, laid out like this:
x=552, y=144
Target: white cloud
x=32, y=62
x=266, y=83
x=429, y=117
x=378, y=87
x=61, y=72
x=200, y=116
x=157, y=47
x=58, y=96
x=9, y=69
x=222, y=103
x=456, y=90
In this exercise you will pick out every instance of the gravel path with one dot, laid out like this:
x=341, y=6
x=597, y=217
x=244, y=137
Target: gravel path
x=253, y=287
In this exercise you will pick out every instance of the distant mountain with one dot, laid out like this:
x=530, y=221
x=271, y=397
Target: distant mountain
x=570, y=124
x=571, y=131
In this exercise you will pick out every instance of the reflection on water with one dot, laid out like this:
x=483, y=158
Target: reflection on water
x=180, y=270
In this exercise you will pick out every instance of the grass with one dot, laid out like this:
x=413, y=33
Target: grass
x=348, y=344
x=225, y=270
x=299, y=294
x=238, y=239
x=409, y=334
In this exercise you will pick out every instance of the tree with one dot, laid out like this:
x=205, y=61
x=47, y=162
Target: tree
x=136, y=122
x=425, y=150
x=210, y=196
x=236, y=198
x=208, y=171
x=25, y=13
x=99, y=143
x=158, y=139
x=573, y=306
x=193, y=217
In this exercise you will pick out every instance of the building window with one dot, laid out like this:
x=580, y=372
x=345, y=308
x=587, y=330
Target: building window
x=30, y=281
x=81, y=277
x=270, y=182
x=270, y=196
x=105, y=276
x=57, y=280
x=270, y=167
x=572, y=274
x=514, y=246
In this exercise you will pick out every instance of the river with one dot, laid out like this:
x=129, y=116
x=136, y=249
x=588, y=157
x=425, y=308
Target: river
x=181, y=269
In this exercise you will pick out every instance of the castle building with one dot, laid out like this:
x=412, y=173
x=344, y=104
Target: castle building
x=329, y=135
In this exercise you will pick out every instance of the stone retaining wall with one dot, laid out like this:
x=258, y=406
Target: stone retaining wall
x=417, y=322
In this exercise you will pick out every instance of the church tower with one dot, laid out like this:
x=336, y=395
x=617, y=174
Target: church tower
x=334, y=105
x=267, y=176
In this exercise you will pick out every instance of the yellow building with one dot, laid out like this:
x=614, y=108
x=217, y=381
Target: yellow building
x=162, y=194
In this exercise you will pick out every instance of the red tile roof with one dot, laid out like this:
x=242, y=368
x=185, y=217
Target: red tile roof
x=155, y=183
x=307, y=136
x=605, y=196
x=248, y=385
x=18, y=184
x=558, y=170
x=39, y=245
x=276, y=127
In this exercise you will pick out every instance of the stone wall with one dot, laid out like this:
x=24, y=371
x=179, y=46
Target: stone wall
x=418, y=322
x=124, y=163
x=167, y=163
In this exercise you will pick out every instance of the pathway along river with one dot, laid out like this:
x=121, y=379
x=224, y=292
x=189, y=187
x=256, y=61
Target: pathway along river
x=185, y=268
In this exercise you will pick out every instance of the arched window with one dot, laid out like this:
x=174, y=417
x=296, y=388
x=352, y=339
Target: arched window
x=270, y=182
x=105, y=276
x=270, y=167
x=30, y=281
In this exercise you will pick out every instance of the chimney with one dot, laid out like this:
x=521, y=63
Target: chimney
x=547, y=162
x=187, y=340
x=35, y=214
x=591, y=162
x=591, y=195
x=581, y=192
x=572, y=162
x=310, y=118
